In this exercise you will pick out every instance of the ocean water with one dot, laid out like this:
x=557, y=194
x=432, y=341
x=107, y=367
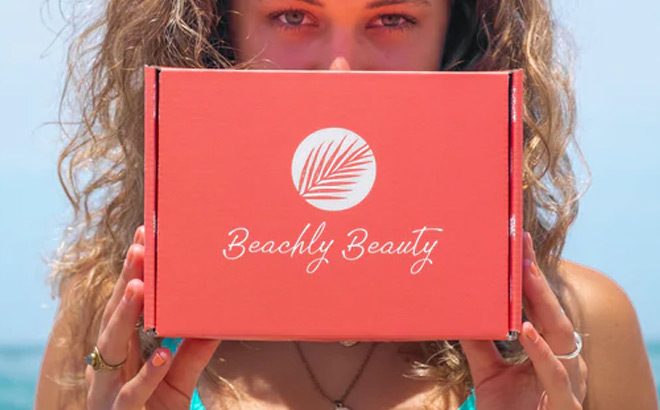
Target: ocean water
x=19, y=370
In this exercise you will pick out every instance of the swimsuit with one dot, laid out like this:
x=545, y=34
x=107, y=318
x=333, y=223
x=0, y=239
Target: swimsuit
x=196, y=402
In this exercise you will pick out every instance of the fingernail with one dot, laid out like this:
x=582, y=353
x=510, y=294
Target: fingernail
x=534, y=270
x=531, y=333
x=135, y=237
x=526, y=264
x=128, y=293
x=159, y=358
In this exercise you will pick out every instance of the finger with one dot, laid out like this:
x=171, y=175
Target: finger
x=133, y=269
x=89, y=376
x=550, y=371
x=122, y=324
x=128, y=273
x=543, y=307
x=191, y=358
x=580, y=389
x=137, y=391
x=113, y=344
x=483, y=358
x=132, y=366
x=139, y=235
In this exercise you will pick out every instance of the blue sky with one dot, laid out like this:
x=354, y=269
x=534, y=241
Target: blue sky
x=618, y=91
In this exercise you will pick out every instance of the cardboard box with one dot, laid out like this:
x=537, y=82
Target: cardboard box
x=324, y=206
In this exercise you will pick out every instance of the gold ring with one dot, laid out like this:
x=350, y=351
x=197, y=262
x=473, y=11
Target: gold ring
x=95, y=360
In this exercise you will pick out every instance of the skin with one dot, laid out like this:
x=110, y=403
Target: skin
x=365, y=35
x=613, y=371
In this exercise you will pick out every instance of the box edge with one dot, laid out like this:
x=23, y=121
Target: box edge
x=515, y=203
x=150, y=192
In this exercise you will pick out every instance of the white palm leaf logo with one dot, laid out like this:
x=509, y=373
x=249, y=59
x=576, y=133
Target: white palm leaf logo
x=333, y=169
x=326, y=176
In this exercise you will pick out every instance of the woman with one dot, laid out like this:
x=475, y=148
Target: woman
x=101, y=291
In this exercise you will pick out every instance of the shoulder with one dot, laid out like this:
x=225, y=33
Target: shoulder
x=595, y=299
x=619, y=372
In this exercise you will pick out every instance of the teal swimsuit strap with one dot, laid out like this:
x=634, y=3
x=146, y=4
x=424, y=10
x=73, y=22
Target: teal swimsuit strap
x=196, y=402
x=469, y=404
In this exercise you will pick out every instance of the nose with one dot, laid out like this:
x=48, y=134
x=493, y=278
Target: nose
x=342, y=51
x=340, y=64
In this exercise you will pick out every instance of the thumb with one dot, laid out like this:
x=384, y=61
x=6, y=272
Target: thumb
x=191, y=358
x=483, y=357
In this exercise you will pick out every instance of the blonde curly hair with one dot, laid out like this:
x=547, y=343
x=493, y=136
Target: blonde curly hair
x=101, y=165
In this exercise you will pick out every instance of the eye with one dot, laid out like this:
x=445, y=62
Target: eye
x=292, y=18
x=393, y=21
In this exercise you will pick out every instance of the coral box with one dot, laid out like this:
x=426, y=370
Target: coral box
x=327, y=205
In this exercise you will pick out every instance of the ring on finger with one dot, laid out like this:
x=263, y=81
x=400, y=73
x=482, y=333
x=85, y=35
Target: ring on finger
x=574, y=353
x=97, y=362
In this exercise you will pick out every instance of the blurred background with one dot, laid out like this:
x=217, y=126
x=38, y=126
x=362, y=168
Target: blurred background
x=617, y=231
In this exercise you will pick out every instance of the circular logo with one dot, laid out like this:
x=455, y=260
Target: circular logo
x=333, y=169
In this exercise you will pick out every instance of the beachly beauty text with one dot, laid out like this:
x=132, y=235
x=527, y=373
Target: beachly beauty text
x=419, y=246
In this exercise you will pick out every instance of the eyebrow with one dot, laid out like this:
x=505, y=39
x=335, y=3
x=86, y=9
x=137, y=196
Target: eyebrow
x=376, y=3
x=381, y=3
x=312, y=2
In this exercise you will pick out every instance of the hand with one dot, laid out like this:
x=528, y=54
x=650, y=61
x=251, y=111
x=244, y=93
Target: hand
x=544, y=382
x=162, y=382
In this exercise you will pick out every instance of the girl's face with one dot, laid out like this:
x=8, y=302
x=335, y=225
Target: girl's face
x=341, y=34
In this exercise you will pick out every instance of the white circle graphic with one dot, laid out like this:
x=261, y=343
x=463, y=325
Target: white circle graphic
x=333, y=169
